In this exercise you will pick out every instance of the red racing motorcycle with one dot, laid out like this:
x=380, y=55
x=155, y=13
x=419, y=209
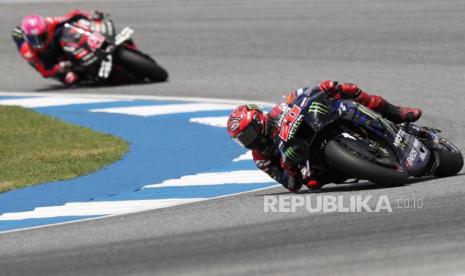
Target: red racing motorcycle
x=100, y=55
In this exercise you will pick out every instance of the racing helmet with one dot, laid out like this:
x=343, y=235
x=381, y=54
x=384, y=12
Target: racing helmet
x=247, y=125
x=35, y=31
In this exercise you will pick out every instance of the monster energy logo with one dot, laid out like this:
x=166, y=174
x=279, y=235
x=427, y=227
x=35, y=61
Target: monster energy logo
x=318, y=108
x=292, y=155
x=367, y=112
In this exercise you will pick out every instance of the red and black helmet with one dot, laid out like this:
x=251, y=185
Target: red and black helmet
x=247, y=126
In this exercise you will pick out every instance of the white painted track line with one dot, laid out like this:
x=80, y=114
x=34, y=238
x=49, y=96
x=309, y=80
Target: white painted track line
x=211, y=121
x=98, y=208
x=152, y=110
x=216, y=178
x=137, y=97
x=52, y=101
x=245, y=156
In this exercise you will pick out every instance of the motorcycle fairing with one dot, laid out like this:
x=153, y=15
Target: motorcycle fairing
x=319, y=112
x=74, y=42
x=412, y=153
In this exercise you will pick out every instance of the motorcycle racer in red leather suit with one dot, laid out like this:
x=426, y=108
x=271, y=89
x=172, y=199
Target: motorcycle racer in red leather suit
x=253, y=129
x=37, y=40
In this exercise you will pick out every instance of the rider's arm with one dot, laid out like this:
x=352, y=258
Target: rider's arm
x=34, y=61
x=31, y=57
x=289, y=179
x=351, y=91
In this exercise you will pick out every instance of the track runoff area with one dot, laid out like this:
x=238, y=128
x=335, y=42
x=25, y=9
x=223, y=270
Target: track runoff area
x=179, y=153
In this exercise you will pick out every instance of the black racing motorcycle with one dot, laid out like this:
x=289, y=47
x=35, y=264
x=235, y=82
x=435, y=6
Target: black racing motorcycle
x=358, y=143
x=98, y=54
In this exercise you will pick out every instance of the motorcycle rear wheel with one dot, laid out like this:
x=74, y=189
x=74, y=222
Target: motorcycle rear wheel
x=140, y=65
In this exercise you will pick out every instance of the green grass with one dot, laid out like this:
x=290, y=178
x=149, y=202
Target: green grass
x=35, y=149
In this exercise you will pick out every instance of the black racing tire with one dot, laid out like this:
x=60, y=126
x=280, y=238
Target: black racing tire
x=140, y=65
x=349, y=163
x=450, y=163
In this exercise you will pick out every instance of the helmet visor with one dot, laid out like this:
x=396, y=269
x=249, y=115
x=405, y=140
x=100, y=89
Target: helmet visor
x=37, y=41
x=249, y=137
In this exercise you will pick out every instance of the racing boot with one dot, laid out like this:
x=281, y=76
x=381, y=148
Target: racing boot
x=394, y=113
x=397, y=114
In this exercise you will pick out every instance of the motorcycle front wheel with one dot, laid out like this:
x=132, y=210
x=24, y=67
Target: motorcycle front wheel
x=450, y=159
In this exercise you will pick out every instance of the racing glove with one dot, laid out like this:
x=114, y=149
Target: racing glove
x=348, y=90
x=329, y=86
x=291, y=178
x=17, y=34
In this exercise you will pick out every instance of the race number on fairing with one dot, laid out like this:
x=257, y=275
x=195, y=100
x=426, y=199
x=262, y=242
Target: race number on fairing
x=288, y=122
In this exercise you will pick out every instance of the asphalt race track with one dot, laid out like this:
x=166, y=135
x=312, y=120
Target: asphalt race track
x=412, y=52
